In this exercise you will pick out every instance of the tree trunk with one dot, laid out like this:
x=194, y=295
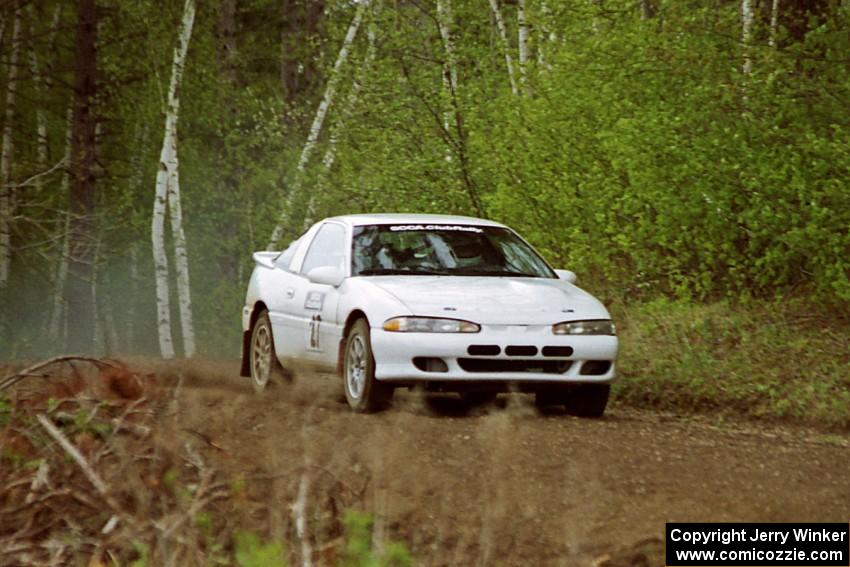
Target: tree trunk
x=78, y=292
x=130, y=326
x=316, y=127
x=181, y=256
x=41, y=121
x=522, y=37
x=774, y=22
x=226, y=31
x=181, y=261
x=43, y=86
x=57, y=312
x=56, y=324
x=160, y=258
x=99, y=335
x=105, y=316
x=506, y=46
x=444, y=21
x=350, y=102
x=135, y=187
x=6, y=197
x=168, y=194
x=747, y=17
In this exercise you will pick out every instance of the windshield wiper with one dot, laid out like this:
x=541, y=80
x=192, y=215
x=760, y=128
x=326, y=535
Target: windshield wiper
x=495, y=273
x=401, y=272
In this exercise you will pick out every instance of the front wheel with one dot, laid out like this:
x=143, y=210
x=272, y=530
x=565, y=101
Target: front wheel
x=588, y=400
x=363, y=392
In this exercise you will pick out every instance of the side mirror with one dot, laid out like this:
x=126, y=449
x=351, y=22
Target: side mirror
x=327, y=275
x=566, y=275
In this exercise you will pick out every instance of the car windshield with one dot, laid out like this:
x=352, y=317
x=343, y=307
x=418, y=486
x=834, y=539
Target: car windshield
x=455, y=250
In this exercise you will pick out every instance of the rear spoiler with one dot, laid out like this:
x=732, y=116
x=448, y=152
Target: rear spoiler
x=265, y=259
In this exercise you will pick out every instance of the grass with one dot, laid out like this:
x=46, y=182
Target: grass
x=783, y=359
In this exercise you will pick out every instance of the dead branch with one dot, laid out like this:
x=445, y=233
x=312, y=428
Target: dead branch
x=31, y=180
x=198, y=502
x=205, y=438
x=12, y=379
x=41, y=499
x=75, y=454
x=299, y=512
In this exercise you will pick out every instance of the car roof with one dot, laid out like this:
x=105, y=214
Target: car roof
x=405, y=218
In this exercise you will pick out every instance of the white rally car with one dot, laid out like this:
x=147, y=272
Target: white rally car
x=447, y=302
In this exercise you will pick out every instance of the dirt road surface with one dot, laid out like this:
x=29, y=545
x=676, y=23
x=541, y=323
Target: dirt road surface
x=505, y=485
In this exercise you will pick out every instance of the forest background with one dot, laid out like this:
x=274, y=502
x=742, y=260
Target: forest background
x=688, y=159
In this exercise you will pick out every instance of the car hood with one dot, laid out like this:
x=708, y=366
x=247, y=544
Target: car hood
x=493, y=300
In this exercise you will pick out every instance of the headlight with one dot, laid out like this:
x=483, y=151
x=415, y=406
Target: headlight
x=598, y=327
x=429, y=325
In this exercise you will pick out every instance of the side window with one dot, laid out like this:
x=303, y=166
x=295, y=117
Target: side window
x=285, y=258
x=327, y=248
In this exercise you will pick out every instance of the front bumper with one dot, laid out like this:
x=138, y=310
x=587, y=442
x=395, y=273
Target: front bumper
x=395, y=352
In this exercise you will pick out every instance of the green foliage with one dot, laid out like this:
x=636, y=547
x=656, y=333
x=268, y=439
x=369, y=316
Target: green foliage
x=143, y=554
x=6, y=411
x=358, y=545
x=786, y=359
x=85, y=422
x=638, y=153
x=250, y=551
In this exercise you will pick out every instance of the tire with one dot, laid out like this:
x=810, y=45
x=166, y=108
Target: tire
x=551, y=396
x=263, y=362
x=476, y=398
x=363, y=392
x=588, y=400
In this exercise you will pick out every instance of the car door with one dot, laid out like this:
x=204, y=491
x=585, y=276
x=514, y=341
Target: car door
x=320, y=330
x=283, y=282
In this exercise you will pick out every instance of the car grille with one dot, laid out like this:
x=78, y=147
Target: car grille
x=557, y=351
x=484, y=350
x=500, y=365
x=519, y=350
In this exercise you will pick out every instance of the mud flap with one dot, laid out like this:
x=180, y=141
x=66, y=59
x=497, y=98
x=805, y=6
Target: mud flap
x=246, y=347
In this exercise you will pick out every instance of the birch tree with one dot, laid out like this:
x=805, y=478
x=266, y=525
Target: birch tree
x=444, y=19
x=506, y=47
x=522, y=41
x=747, y=17
x=160, y=257
x=6, y=199
x=774, y=22
x=458, y=145
x=350, y=102
x=316, y=126
x=167, y=199
x=181, y=261
x=547, y=30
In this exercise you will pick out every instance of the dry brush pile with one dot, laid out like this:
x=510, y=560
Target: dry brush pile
x=96, y=468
